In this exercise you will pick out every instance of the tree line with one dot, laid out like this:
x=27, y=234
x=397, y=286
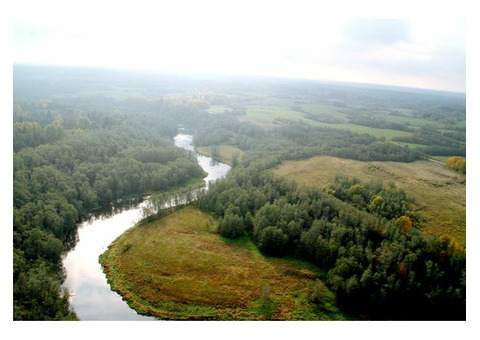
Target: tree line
x=437, y=143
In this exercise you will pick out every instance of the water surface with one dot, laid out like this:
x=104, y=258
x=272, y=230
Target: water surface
x=91, y=296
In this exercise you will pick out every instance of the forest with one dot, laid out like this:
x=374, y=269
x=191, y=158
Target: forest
x=84, y=139
x=67, y=164
x=364, y=234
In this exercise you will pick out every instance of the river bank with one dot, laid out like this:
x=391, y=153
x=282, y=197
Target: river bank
x=91, y=296
x=179, y=268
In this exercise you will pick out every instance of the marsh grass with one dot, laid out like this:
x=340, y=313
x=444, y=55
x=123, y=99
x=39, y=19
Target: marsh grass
x=179, y=268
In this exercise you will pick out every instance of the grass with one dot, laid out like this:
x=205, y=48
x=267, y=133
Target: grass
x=267, y=125
x=265, y=116
x=179, y=268
x=442, y=159
x=387, y=133
x=408, y=145
x=270, y=113
x=323, y=109
x=440, y=192
x=226, y=153
x=216, y=109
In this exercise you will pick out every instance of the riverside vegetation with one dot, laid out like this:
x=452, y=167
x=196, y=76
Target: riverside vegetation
x=344, y=248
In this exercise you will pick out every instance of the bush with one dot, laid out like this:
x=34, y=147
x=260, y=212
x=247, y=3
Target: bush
x=272, y=241
x=231, y=226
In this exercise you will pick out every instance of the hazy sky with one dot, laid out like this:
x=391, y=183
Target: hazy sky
x=426, y=52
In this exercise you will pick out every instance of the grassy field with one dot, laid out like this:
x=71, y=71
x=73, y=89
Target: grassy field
x=387, y=133
x=226, y=153
x=267, y=125
x=266, y=115
x=439, y=192
x=179, y=268
x=216, y=109
x=270, y=113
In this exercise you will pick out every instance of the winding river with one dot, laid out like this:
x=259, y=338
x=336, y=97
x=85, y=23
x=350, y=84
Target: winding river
x=91, y=296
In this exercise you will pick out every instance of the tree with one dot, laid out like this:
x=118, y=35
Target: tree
x=272, y=240
x=404, y=223
x=457, y=163
x=231, y=226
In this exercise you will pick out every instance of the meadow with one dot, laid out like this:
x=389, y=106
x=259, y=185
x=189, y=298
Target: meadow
x=440, y=193
x=179, y=268
x=223, y=153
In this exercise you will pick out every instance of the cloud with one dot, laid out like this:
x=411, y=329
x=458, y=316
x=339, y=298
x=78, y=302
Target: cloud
x=423, y=53
x=366, y=32
x=417, y=53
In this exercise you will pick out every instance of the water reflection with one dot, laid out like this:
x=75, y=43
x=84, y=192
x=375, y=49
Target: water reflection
x=102, y=213
x=115, y=208
x=91, y=297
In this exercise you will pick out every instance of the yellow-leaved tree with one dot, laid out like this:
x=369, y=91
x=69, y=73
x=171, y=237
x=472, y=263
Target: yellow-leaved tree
x=457, y=163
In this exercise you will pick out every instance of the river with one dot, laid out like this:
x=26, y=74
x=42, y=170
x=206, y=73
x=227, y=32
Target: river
x=91, y=296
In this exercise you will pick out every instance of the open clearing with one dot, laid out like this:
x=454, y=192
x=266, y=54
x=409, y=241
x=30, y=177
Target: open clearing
x=265, y=116
x=179, y=268
x=224, y=153
x=440, y=192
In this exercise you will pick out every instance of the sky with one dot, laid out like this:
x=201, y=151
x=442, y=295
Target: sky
x=426, y=52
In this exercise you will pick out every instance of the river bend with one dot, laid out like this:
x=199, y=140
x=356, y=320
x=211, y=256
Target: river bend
x=91, y=296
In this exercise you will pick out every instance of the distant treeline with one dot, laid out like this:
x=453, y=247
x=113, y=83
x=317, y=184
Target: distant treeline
x=438, y=143
x=363, y=234
x=379, y=123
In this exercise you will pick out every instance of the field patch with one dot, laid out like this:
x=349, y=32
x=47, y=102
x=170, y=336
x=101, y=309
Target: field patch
x=270, y=113
x=440, y=193
x=179, y=268
x=224, y=153
x=216, y=109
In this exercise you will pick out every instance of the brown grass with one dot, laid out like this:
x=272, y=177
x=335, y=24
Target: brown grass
x=179, y=268
x=439, y=192
x=261, y=123
x=225, y=152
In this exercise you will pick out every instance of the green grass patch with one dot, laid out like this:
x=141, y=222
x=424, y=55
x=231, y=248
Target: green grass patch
x=179, y=268
x=270, y=113
x=216, y=109
x=442, y=159
x=387, y=133
x=408, y=145
x=324, y=109
x=222, y=153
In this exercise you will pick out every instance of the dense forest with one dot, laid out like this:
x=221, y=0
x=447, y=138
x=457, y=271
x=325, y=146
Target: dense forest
x=83, y=139
x=67, y=163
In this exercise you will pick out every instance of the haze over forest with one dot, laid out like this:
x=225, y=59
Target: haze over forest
x=342, y=144
x=425, y=53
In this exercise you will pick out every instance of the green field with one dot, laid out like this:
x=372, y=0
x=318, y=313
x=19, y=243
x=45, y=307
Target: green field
x=179, y=268
x=387, y=133
x=225, y=153
x=440, y=193
x=269, y=114
x=216, y=109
